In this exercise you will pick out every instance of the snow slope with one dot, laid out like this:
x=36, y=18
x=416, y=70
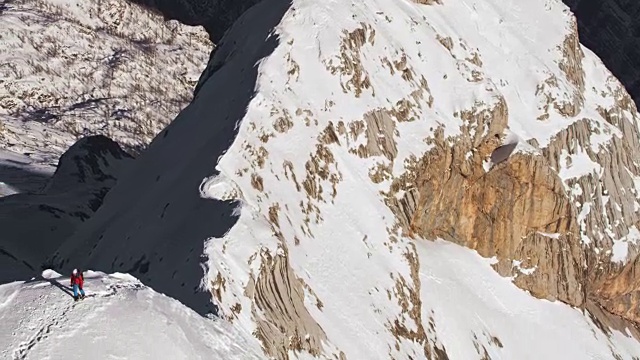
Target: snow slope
x=305, y=114
x=475, y=311
x=69, y=69
x=155, y=225
x=119, y=319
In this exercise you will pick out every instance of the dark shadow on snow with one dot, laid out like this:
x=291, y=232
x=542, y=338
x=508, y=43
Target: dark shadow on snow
x=34, y=225
x=13, y=268
x=46, y=114
x=5, y=5
x=66, y=289
x=214, y=15
x=154, y=223
x=23, y=179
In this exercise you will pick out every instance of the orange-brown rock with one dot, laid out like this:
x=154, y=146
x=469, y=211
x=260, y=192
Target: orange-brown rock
x=509, y=211
x=502, y=213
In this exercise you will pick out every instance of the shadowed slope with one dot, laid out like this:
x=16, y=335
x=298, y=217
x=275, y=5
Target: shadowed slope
x=154, y=223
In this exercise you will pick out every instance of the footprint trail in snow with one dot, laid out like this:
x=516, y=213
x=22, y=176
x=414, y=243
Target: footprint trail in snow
x=120, y=318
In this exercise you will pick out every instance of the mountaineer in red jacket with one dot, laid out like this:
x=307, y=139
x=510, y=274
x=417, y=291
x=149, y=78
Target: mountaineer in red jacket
x=77, y=281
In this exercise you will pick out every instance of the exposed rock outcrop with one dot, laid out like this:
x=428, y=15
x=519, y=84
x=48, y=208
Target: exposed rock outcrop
x=606, y=197
x=357, y=146
x=550, y=204
x=119, y=71
x=508, y=211
x=560, y=232
x=284, y=323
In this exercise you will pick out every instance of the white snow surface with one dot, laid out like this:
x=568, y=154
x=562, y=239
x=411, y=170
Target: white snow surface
x=72, y=68
x=473, y=300
x=119, y=319
x=577, y=165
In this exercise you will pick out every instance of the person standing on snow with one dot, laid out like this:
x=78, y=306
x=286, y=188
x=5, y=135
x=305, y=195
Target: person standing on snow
x=77, y=281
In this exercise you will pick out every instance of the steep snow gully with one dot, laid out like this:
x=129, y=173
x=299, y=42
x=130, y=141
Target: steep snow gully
x=167, y=254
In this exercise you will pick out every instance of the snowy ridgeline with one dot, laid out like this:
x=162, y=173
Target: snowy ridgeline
x=119, y=319
x=470, y=307
x=71, y=68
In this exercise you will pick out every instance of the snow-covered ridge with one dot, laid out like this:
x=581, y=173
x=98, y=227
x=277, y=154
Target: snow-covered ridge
x=154, y=226
x=76, y=68
x=120, y=318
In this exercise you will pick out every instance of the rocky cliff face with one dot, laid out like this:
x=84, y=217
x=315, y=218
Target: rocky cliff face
x=216, y=16
x=539, y=176
x=612, y=30
x=576, y=228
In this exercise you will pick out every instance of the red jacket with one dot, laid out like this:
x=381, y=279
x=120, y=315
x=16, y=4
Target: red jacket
x=77, y=280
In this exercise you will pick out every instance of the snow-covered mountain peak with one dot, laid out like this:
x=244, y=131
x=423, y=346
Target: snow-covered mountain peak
x=91, y=159
x=378, y=154
x=367, y=136
x=36, y=222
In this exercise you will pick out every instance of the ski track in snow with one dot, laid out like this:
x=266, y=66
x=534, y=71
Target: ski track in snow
x=58, y=319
